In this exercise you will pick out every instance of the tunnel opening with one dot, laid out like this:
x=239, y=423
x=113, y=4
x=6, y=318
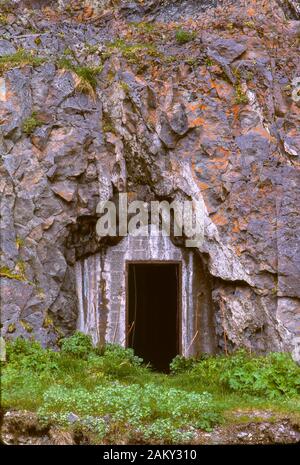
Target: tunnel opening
x=153, y=312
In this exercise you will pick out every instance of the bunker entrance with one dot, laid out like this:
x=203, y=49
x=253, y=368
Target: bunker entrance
x=153, y=311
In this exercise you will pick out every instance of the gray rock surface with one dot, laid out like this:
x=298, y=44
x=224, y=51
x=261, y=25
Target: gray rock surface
x=212, y=118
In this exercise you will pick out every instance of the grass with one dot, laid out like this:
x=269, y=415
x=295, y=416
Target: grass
x=134, y=52
x=209, y=62
x=240, y=96
x=85, y=76
x=124, y=86
x=143, y=26
x=183, y=37
x=20, y=58
x=117, y=396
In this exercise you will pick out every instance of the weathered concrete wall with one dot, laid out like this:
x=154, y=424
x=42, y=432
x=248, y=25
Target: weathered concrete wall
x=101, y=290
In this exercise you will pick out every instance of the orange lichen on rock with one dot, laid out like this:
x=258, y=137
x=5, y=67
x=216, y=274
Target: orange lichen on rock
x=219, y=219
x=199, y=121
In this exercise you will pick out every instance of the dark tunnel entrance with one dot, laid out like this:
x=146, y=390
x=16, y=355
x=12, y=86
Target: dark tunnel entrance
x=153, y=311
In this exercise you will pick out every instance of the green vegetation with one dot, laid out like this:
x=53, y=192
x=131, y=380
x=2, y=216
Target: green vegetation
x=5, y=9
x=114, y=396
x=182, y=36
x=240, y=96
x=249, y=24
x=11, y=328
x=133, y=53
x=86, y=75
x=26, y=326
x=269, y=376
x=78, y=346
x=170, y=59
x=20, y=58
x=3, y=19
x=249, y=76
x=192, y=61
x=19, y=242
x=31, y=123
x=209, y=62
x=143, y=26
x=5, y=272
x=108, y=126
x=89, y=48
x=124, y=86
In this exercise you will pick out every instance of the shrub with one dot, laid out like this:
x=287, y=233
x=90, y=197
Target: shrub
x=79, y=345
x=116, y=361
x=272, y=375
x=181, y=364
x=29, y=355
x=21, y=347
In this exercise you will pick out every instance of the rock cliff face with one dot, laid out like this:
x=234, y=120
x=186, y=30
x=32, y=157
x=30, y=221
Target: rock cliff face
x=165, y=100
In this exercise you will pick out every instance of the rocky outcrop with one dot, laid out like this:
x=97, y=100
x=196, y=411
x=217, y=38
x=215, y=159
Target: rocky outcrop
x=26, y=428
x=99, y=98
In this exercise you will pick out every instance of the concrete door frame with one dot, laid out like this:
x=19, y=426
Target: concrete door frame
x=178, y=263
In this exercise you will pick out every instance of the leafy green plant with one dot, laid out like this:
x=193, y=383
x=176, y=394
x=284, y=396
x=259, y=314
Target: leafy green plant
x=117, y=361
x=88, y=74
x=272, y=375
x=154, y=411
x=29, y=354
x=181, y=364
x=78, y=345
x=208, y=420
x=125, y=87
x=163, y=429
x=19, y=242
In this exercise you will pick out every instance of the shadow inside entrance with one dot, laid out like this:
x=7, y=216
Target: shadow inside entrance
x=153, y=312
